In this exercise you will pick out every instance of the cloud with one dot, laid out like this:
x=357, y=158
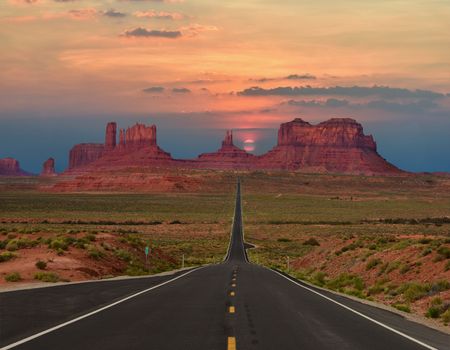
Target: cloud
x=409, y=107
x=153, y=89
x=112, y=13
x=159, y=15
x=167, y=1
x=195, y=29
x=353, y=91
x=300, y=77
x=181, y=90
x=81, y=14
x=140, y=32
x=306, y=76
x=24, y=2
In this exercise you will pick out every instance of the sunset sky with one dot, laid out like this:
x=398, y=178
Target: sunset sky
x=196, y=67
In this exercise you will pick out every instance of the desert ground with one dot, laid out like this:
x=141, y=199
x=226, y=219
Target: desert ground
x=385, y=239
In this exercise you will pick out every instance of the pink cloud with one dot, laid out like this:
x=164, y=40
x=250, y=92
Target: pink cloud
x=159, y=15
x=24, y=2
x=195, y=29
x=80, y=14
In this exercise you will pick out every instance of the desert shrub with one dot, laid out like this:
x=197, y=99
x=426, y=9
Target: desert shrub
x=58, y=244
x=136, y=271
x=346, y=280
x=447, y=266
x=12, y=245
x=405, y=268
x=433, y=312
x=90, y=237
x=95, y=253
x=3, y=243
x=383, y=268
x=440, y=286
x=372, y=263
x=123, y=255
x=319, y=278
x=393, y=266
x=46, y=276
x=5, y=256
x=413, y=291
x=444, y=252
x=312, y=242
x=446, y=316
x=13, y=277
x=134, y=241
x=41, y=265
x=425, y=240
x=402, y=307
x=106, y=246
x=378, y=287
x=282, y=239
x=436, y=301
x=426, y=251
x=351, y=246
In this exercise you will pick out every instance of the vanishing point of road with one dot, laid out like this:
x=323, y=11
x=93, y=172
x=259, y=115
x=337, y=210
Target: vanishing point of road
x=232, y=305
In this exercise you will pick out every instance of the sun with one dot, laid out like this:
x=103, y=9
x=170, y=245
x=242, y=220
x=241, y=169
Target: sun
x=249, y=145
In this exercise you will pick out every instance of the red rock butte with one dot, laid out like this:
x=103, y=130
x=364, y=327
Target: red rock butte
x=337, y=145
x=48, y=168
x=11, y=167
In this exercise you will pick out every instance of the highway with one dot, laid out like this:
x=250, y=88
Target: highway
x=232, y=305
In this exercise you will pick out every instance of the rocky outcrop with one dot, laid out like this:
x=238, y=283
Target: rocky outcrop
x=333, y=146
x=110, y=136
x=48, y=168
x=336, y=132
x=137, y=147
x=228, y=156
x=84, y=153
x=336, y=145
x=140, y=136
x=11, y=167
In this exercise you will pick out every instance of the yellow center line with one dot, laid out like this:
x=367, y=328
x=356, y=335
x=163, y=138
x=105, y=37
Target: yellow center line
x=231, y=343
x=232, y=310
x=232, y=294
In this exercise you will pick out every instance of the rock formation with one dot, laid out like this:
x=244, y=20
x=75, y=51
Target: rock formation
x=11, y=167
x=228, y=156
x=110, y=136
x=137, y=147
x=48, y=168
x=336, y=145
x=84, y=153
x=333, y=146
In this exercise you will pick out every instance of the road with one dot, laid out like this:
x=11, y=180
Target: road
x=232, y=305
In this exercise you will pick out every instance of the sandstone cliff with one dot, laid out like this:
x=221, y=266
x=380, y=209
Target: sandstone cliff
x=336, y=145
x=333, y=146
x=137, y=147
x=228, y=156
x=11, y=167
x=48, y=168
x=84, y=153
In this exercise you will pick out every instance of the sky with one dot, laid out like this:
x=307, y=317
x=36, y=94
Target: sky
x=198, y=67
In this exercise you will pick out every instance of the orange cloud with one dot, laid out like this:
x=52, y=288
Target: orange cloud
x=195, y=29
x=159, y=15
x=79, y=14
x=24, y=2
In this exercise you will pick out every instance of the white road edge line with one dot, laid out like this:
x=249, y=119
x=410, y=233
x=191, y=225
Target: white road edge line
x=37, y=335
x=360, y=314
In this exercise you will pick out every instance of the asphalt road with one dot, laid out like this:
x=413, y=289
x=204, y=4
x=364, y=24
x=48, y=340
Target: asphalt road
x=233, y=305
